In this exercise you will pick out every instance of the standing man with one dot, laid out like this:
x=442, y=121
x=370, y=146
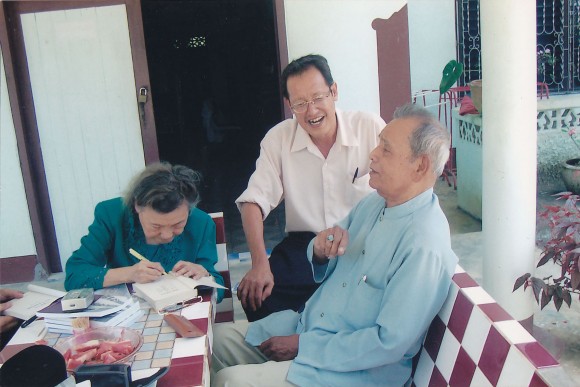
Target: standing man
x=385, y=271
x=317, y=162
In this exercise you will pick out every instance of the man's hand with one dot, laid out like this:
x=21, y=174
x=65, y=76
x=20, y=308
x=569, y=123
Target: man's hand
x=330, y=243
x=256, y=286
x=280, y=348
x=7, y=295
x=8, y=322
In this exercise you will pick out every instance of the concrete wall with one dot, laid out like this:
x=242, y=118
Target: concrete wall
x=341, y=31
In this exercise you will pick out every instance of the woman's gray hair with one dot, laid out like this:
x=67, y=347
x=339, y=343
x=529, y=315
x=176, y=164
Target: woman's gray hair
x=163, y=187
x=429, y=138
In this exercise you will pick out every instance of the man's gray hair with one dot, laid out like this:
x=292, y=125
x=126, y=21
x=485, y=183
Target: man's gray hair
x=429, y=138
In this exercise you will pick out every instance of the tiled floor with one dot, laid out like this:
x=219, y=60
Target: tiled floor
x=559, y=332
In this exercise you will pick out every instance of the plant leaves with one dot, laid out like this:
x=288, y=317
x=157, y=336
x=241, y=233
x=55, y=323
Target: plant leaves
x=545, y=300
x=545, y=258
x=537, y=286
x=557, y=300
x=575, y=277
x=520, y=281
x=567, y=297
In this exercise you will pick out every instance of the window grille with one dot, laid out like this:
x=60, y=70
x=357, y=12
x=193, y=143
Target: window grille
x=557, y=44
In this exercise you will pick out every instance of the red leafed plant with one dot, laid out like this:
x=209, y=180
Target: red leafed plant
x=563, y=248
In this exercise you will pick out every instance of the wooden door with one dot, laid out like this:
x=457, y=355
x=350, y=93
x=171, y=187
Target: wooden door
x=87, y=111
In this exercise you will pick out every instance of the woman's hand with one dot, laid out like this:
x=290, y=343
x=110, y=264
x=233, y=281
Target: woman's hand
x=146, y=271
x=189, y=269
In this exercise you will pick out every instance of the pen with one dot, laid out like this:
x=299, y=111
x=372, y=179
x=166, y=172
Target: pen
x=363, y=279
x=355, y=175
x=140, y=257
x=28, y=322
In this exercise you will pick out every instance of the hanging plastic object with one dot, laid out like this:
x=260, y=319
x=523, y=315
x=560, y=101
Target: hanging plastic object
x=451, y=73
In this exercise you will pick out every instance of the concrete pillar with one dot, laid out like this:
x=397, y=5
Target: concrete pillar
x=508, y=41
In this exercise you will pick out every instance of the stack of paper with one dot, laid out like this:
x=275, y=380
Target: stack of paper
x=113, y=306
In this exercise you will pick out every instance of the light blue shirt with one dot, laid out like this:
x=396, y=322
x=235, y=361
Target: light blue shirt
x=363, y=326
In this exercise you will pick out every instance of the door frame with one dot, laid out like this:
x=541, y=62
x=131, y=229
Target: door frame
x=22, y=107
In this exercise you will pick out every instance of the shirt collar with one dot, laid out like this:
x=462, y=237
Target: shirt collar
x=302, y=139
x=409, y=206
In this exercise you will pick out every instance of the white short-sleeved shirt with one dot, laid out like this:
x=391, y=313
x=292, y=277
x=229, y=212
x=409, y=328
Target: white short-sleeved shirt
x=318, y=192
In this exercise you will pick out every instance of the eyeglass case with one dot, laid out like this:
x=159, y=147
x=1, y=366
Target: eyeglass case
x=182, y=326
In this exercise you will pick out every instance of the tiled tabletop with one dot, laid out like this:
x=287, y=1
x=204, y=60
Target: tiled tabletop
x=187, y=358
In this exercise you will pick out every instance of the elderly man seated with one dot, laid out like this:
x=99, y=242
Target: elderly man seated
x=385, y=271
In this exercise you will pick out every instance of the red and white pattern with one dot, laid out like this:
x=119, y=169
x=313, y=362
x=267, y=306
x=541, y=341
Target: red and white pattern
x=475, y=342
x=225, y=309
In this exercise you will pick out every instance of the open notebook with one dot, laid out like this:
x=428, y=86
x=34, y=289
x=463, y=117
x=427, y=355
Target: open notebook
x=171, y=289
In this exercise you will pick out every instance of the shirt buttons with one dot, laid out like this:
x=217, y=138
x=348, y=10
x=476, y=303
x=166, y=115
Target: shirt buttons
x=363, y=252
x=322, y=314
x=344, y=284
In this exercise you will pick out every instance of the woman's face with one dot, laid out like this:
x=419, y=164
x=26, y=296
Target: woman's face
x=160, y=228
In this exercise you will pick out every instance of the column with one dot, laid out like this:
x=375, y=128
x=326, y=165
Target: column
x=508, y=41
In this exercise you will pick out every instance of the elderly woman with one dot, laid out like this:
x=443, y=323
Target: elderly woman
x=157, y=218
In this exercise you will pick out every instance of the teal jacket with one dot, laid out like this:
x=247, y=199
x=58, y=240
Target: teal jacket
x=116, y=229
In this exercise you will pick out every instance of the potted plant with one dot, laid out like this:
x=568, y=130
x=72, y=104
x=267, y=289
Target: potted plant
x=570, y=169
x=545, y=59
x=562, y=247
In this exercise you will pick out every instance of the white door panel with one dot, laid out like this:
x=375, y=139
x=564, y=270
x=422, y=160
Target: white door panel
x=83, y=86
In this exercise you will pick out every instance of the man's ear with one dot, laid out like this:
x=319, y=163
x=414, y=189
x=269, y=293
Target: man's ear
x=334, y=90
x=422, y=167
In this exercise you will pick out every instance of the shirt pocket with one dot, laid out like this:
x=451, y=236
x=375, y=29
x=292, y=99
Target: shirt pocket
x=359, y=187
x=363, y=305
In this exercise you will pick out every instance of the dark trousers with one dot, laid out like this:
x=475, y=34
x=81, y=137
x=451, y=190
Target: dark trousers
x=293, y=281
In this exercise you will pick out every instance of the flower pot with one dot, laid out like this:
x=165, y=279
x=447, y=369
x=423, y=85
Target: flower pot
x=475, y=89
x=570, y=172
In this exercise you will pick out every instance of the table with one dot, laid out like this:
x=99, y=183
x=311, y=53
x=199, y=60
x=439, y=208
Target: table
x=188, y=359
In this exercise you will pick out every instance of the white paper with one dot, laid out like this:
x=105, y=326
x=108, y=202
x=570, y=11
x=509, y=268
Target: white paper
x=44, y=290
x=32, y=333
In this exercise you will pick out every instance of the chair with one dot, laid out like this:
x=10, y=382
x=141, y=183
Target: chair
x=543, y=90
x=225, y=309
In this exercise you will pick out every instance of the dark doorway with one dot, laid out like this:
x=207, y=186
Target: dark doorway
x=214, y=73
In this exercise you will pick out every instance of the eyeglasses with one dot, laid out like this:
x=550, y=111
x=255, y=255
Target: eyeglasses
x=302, y=106
x=180, y=305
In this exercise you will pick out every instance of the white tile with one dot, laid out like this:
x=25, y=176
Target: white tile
x=424, y=369
x=195, y=311
x=459, y=269
x=476, y=334
x=478, y=296
x=479, y=379
x=447, y=354
x=222, y=263
x=517, y=370
x=188, y=347
x=514, y=332
x=447, y=308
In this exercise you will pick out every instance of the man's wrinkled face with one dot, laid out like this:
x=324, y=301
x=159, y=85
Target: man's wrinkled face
x=392, y=163
x=309, y=91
